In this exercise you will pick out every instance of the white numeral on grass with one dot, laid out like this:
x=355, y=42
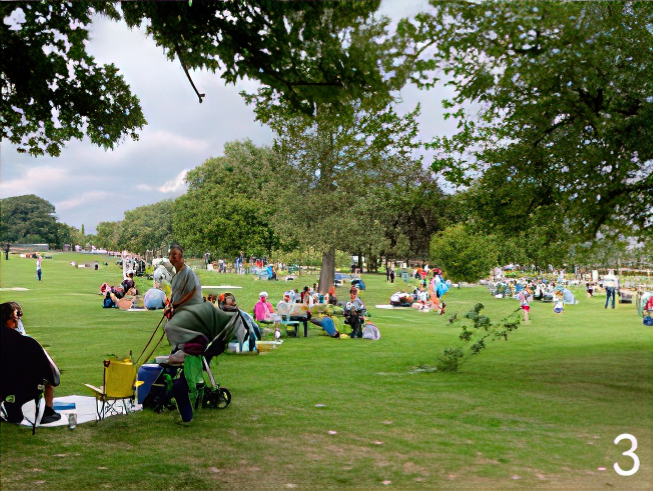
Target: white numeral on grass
x=630, y=453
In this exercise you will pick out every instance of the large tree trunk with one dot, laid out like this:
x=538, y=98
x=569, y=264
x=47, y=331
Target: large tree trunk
x=372, y=264
x=328, y=271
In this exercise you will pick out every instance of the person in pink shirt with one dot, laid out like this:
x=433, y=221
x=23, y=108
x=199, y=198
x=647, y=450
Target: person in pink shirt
x=264, y=311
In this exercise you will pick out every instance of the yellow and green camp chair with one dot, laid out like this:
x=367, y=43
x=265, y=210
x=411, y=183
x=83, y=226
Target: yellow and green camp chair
x=118, y=385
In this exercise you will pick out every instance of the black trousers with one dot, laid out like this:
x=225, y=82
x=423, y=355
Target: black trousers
x=303, y=321
x=355, y=322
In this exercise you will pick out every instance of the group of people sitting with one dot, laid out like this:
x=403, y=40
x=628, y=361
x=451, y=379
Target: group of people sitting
x=426, y=296
x=299, y=307
x=112, y=294
x=27, y=369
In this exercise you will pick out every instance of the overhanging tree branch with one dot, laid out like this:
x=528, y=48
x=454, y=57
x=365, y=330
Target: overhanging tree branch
x=183, y=65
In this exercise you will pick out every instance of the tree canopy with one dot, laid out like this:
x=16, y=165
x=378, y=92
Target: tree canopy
x=52, y=89
x=566, y=106
x=147, y=227
x=108, y=235
x=331, y=163
x=225, y=210
x=29, y=219
x=303, y=54
x=463, y=254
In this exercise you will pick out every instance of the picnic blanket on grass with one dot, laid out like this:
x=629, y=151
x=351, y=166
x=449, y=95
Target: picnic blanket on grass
x=84, y=407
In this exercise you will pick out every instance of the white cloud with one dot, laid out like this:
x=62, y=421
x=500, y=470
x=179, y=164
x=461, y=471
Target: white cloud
x=83, y=199
x=33, y=180
x=161, y=139
x=175, y=185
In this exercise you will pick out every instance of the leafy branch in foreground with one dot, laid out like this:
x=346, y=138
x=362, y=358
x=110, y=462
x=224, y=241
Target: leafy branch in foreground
x=474, y=336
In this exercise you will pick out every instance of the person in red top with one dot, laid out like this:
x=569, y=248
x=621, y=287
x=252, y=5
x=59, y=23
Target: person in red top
x=649, y=305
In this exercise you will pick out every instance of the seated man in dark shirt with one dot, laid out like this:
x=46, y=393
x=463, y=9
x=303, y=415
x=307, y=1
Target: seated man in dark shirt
x=25, y=366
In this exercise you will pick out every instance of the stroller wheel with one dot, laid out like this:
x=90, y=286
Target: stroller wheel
x=224, y=399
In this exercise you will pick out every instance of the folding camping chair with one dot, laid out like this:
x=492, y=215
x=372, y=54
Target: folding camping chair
x=118, y=385
x=39, y=406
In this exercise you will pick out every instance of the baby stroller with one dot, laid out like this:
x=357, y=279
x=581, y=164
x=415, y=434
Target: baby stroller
x=186, y=375
x=201, y=390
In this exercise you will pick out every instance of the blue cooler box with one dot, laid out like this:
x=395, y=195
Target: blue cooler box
x=146, y=374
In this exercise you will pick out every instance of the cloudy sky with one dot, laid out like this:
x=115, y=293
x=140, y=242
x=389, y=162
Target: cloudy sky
x=88, y=185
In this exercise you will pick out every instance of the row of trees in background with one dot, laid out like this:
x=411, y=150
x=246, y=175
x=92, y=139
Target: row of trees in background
x=264, y=202
x=259, y=200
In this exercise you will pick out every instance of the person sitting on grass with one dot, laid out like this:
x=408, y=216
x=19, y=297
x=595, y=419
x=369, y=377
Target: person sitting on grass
x=332, y=299
x=128, y=284
x=25, y=366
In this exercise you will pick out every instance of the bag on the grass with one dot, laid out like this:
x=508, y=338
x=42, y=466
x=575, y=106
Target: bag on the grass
x=160, y=394
x=108, y=302
x=648, y=321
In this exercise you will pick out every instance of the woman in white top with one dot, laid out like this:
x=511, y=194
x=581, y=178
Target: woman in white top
x=39, y=271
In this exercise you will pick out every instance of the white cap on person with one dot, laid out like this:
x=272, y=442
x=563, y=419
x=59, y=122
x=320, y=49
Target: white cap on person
x=263, y=294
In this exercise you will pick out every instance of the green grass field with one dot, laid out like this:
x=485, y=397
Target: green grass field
x=540, y=411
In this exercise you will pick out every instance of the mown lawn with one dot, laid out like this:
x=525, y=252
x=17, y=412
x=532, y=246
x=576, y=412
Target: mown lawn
x=540, y=411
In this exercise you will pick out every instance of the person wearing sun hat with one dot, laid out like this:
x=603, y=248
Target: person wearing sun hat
x=285, y=308
x=264, y=311
x=285, y=304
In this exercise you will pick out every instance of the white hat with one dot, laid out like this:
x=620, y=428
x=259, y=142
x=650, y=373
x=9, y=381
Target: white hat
x=263, y=294
x=287, y=294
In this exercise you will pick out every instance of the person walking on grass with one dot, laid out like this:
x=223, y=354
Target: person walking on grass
x=437, y=288
x=525, y=298
x=39, y=271
x=611, y=285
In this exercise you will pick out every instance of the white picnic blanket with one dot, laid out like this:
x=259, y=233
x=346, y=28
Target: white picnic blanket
x=84, y=407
